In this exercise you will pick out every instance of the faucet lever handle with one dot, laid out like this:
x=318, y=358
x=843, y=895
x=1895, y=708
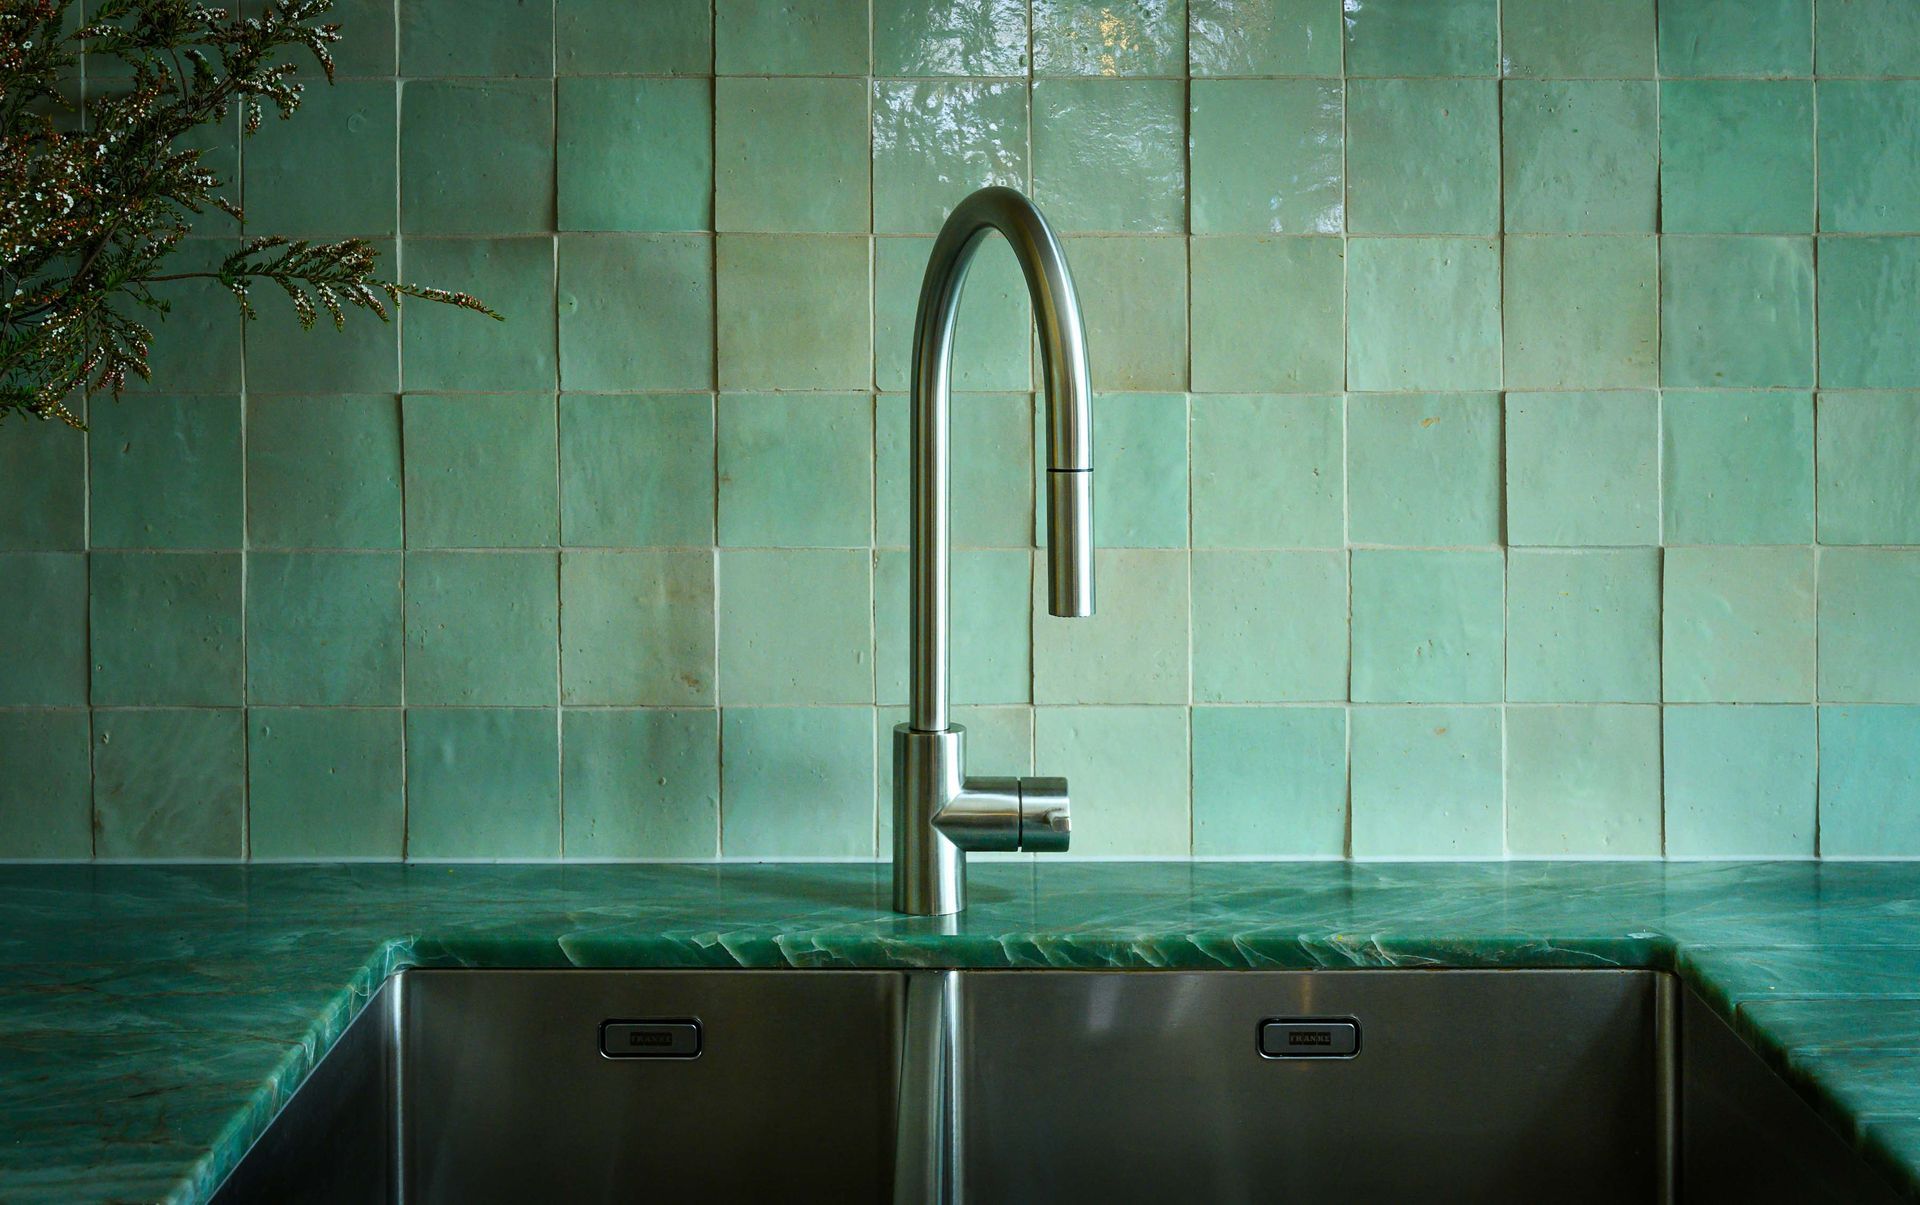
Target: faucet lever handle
x=1007, y=814
x=1046, y=817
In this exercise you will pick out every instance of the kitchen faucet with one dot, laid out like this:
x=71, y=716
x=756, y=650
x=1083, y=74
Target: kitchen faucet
x=938, y=812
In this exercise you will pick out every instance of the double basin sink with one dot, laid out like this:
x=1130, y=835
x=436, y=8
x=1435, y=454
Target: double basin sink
x=1353, y=1086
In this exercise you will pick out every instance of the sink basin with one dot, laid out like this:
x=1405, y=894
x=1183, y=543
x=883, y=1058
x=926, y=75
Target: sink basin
x=1009, y=1086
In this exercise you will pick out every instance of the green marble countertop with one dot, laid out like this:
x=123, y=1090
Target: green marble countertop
x=154, y=1018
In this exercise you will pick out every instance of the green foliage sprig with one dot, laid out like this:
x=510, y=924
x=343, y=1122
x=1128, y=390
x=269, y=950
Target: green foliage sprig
x=94, y=202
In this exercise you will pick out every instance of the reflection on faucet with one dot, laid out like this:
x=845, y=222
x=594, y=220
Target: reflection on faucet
x=939, y=813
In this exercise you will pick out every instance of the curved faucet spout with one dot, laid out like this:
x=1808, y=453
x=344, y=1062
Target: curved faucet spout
x=1063, y=357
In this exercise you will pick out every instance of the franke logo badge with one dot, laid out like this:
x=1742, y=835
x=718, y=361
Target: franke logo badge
x=1309, y=1037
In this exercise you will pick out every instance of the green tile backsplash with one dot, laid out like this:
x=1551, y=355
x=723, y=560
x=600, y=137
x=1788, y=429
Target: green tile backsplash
x=1507, y=429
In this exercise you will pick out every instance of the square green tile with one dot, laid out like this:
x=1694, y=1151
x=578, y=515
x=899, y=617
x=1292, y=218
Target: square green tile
x=169, y=783
x=797, y=782
x=992, y=644
x=605, y=280
x=1423, y=156
x=777, y=37
x=361, y=357
x=636, y=470
x=1242, y=341
x=1737, y=625
x=1423, y=469
x=795, y=626
x=615, y=37
x=1736, y=37
x=791, y=155
x=994, y=330
x=641, y=784
x=1428, y=627
x=949, y=37
x=1269, y=627
x=1866, y=37
x=993, y=454
x=323, y=472
x=165, y=628
x=1426, y=782
x=1737, y=468
x=46, y=795
x=166, y=472
x=1869, y=468
x=1133, y=300
x=1869, y=300
x=1869, y=648
x=1869, y=771
x=1140, y=492
x=1268, y=472
x=1736, y=312
x=1583, y=627
x=482, y=628
x=366, y=45
x=43, y=647
x=1268, y=157
x=483, y=783
x=1263, y=37
x=1580, y=156
x=43, y=469
x=1423, y=37
x=480, y=470
x=1130, y=775
x=1591, y=39
x=1581, y=312
x=796, y=470
x=1091, y=37
x=636, y=628
x=1740, y=782
x=1736, y=156
x=634, y=154
x=1583, y=780
x=794, y=312
x=324, y=628
x=1270, y=782
x=197, y=339
x=1582, y=468
x=477, y=37
x=1869, y=164
x=448, y=348
x=325, y=782
x=1134, y=647
x=1111, y=154
x=1423, y=313
x=934, y=142
x=351, y=127
x=476, y=157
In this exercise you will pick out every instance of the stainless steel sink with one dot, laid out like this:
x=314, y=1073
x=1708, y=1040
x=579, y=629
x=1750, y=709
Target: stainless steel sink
x=1045, y=1086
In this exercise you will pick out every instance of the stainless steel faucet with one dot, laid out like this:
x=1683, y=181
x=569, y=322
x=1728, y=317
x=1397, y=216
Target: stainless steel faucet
x=938, y=812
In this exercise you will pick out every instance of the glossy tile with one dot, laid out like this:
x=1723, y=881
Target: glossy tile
x=1428, y=627
x=1869, y=468
x=1270, y=782
x=1263, y=37
x=447, y=348
x=1581, y=312
x=1133, y=299
x=994, y=330
x=165, y=628
x=1737, y=467
x=476, y=157
x=1134, y=647
x=791, y=155
x=1552, y=39
x=605, y=280
x=634, y=154
x=1583, y=780
x=1268, y=156
x=637, y=627
x=1869, y=169
x=1737, y=625
x=367, y=37
x=1736, y=312
x=480, y=470
x=1580, y=156
x=1268, y=471
x=1426, y=782
x=1093, y=37
x=774, y=37
x=483, y=783
x=794, y=312
x=1269, y=627
x=46, y=796
x=636, y=469
x=1869, y=295
x=797, y=781
x=1869, y=651
x=362, y=357
x=43, y=647
x=641, y=784
x=596, y=37
x=1110, y=155
x=1583, y=627
x=949, y=37
x=325, y=782
x=477, y=37
x=169, y=783
x=796, y=471
x=1242, y=342
x=795, y=626
x=482, y=628
x=1582, y=468
x=992, y=464
x=1140, y=492
x=45, y=465
x=936, y=141
x=197, y=337
x=1423, y=313
x=323, y=472
x=352, y=127
x=1423, y=156
x=1736, y=37
x=1423, y=37
x=1129, y=767
x=1423, y=469
x=1869, y=769
x=165, y=472
x=1866, y=37
x=991, y=626
x=324, y=628
x=1740, y=781
x=1736, y=156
